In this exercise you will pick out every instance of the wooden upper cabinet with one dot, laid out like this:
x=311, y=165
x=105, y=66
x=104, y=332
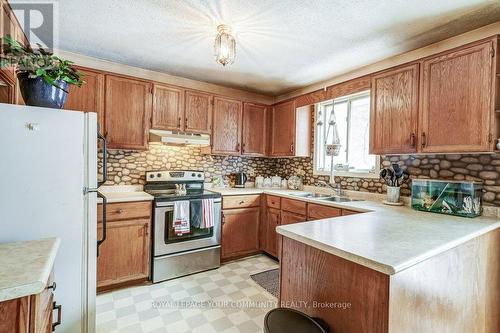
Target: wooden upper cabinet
x=226, y=126
x=283, y=129
x=168, y=108
x=198, y=112
x=254, y=129
x=128, y=112
x=456, y=100
x=8, y=27
x=394, y=111
x=291, y=130
x=90, y=96
x=7, y=89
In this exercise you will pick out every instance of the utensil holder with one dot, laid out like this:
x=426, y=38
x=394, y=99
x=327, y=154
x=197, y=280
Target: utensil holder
x=393, y=193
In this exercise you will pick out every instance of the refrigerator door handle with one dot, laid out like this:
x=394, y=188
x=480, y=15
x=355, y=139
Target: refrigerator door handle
x=104, y=159
x=103, y=237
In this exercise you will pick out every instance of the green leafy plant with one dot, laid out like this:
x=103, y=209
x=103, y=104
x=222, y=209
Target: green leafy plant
x=38, y=63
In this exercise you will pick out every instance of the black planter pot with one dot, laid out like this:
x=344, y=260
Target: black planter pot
x=38, y=92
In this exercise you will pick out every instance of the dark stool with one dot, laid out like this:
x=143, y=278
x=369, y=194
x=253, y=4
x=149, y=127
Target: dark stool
x=283, y=320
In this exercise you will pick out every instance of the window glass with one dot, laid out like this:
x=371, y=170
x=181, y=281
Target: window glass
x=352, y=116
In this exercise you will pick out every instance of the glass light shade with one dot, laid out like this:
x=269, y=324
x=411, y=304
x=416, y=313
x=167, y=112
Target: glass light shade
x=225, y=46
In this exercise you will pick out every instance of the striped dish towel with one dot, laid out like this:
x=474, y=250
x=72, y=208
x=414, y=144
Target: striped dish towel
x=208, y=213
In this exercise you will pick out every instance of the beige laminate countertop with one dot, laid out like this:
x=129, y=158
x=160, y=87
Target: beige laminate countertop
x=25, y=267
x=385, y=238
x=124, y=193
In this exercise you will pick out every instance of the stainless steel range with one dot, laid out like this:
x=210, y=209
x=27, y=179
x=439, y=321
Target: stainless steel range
x=177, y=254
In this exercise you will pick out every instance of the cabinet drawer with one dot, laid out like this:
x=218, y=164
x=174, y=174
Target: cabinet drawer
x=273, y=201
x=125, y=210
x=240, y=201
x=349, y=212
x=291, y=218
x=317, y=212
x=294, y=206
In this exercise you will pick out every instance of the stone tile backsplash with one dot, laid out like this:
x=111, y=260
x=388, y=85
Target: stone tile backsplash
x=129, y=167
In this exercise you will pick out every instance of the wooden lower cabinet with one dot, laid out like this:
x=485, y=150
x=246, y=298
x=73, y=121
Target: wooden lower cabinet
x=30, y=314
x=273, y=218
x=240, y=232
x=318, y=212
x=456, y=291
x=124, y=257
x=291, y=218
x=348, y=212
x=246, y=231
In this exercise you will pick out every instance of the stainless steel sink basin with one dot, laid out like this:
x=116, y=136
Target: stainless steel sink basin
x=312, y=195
x=340, y=199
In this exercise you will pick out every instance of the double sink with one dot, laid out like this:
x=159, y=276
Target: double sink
x=325, y=197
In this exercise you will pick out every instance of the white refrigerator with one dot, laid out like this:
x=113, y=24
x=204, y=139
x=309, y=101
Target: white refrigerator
x=48, y=181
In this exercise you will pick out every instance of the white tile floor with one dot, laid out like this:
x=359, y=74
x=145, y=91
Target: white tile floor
x=225, y=300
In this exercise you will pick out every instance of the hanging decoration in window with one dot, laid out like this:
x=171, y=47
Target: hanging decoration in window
x=332, y=149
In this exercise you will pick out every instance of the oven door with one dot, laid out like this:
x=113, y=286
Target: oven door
x=166, y=241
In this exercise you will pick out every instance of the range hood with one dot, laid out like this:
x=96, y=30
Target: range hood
x=178, y=138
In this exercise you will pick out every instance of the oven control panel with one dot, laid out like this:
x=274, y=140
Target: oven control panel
x=174, y=175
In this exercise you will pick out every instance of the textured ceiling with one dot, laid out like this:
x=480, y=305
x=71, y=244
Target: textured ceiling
x=282, y=45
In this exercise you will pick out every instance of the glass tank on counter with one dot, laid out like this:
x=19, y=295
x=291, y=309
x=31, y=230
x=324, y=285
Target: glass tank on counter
x=460, y=198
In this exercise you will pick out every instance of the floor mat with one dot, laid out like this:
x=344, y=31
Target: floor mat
x=269, y=280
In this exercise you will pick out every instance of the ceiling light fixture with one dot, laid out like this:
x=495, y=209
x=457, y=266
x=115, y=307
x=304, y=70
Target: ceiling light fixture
x=225, y=46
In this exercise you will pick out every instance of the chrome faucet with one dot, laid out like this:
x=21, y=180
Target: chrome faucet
x=337, y=189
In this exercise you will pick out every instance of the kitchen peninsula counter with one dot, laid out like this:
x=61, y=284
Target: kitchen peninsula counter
x=397, y=269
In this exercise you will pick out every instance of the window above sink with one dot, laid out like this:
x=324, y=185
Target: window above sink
x=352, y=115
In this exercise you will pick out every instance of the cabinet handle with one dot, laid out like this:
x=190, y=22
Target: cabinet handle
x=292, y=146
x=238, y=146
x=223, y=218
x=119, y=211
x=412, y=140
x=186, y=122
x=424, y=140
x=243, y=147
x=179, y=122
x=57, y=307
x=53, y=286
x=241, y=202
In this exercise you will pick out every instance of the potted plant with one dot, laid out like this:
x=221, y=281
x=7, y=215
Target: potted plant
x=43, y=77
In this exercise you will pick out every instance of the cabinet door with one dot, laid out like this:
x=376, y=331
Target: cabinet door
x=9, y=27
x=254, y=130
x=456, y=100
x=7, y=89
x=283, y=129
x=127, y=112
x=124, y=256
x=90, y=96
x=226, y=132
x=394, y=111
x=198, y=112
x=240, y=231
x=272, y=221
x=168, y=108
